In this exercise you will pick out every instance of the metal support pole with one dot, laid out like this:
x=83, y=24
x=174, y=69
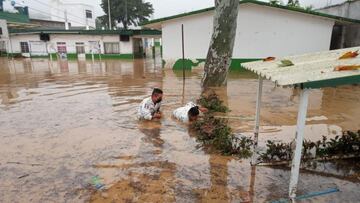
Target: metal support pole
x=183, y=52
x=110, y=27
x=257, y=121
x=299, y=138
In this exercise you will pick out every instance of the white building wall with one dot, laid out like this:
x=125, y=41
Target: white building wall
x=16, y=39
x=264, y=31
x=4, y=28
x=261, y=32
x=70, y=40
x=4, y=37
x=197, y=34
x=75, y=13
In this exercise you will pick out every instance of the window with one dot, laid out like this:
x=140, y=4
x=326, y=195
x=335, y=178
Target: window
x=1, y=31
x=24, y=46
x=111, y=47
x=94, y=47
x=80, y=48
x=88, y=13
x=2, y=46
x=61, y=47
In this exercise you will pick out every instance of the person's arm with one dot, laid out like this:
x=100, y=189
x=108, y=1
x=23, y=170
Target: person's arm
x=203, y=109
x=147, y=114
x=157, y=115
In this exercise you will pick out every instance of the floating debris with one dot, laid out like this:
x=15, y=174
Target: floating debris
x=96, y=182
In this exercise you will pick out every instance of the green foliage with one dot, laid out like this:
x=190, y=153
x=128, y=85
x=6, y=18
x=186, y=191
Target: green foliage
x=309, y=8
x=102, y=21
x=211, y=101
x=127, y=12
x=276, y=2
x=276, y=152
x=346, y=145
x=293, y=3
x=285, y=63
x=216, y=134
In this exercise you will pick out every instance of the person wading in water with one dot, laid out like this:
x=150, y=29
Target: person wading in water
x=149, y=108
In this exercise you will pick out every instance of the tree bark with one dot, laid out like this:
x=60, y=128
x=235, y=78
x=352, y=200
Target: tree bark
x=221, y=46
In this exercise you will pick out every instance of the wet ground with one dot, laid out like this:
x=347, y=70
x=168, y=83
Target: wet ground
x=62, y=123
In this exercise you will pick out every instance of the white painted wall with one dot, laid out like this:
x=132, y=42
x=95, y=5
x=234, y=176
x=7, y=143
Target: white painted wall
x=15, y=43
x=261, y=32
x=70, y=40
x=75, y=13
x=5, y=32
x=4, y=37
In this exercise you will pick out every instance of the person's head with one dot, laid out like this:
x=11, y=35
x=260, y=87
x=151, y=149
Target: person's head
x=193, y=113
x=156, y=95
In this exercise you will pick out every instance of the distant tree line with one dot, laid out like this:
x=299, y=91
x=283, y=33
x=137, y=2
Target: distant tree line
x=124, y=12
x=291, y=3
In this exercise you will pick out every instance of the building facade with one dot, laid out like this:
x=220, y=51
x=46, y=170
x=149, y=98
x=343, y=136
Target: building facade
x=345, y=35
x=70, y=44
x=77, y=15
x=262, y=30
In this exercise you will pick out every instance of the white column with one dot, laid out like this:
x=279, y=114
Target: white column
x=66, y=20
x=299, y=138
x=257, y=121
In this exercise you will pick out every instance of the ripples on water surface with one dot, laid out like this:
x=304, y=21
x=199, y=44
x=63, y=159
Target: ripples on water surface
x=62, y=123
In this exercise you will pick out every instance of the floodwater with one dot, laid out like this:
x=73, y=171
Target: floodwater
x=64, y=122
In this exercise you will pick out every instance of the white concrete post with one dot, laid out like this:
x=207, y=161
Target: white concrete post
x=299, y=138
x=257, y=121
x=66, y=20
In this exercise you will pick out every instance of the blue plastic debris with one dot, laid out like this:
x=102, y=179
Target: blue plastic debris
x=309, y=195
x=96, y=182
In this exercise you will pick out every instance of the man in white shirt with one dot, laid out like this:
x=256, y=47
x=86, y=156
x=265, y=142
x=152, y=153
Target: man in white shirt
x=149, y=108
x=188, y=113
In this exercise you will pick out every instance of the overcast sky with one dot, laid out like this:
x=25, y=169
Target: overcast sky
x=165, y=8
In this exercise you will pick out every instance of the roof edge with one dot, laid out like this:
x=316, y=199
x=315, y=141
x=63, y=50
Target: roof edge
x=85, y=32
x=300, y=10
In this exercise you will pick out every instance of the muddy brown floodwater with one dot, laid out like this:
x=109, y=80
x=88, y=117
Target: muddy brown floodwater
x=62, y=123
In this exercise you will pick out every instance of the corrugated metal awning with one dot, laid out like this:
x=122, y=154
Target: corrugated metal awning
x=313, y=70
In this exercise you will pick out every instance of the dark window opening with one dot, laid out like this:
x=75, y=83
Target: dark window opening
x=88, y=13
x=24, y=46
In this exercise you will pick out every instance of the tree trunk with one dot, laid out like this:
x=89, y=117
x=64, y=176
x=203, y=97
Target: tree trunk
x=222, y=43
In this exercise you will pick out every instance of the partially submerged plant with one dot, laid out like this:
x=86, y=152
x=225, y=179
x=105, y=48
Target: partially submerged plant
x=211, y=101
x=347, y=145
x=215, y=133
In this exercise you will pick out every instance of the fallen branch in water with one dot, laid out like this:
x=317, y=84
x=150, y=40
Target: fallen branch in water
x=16, y=162
x=23, y=176
x=236, y=117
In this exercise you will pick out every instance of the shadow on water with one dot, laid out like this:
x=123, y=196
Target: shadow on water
x=64, y=122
